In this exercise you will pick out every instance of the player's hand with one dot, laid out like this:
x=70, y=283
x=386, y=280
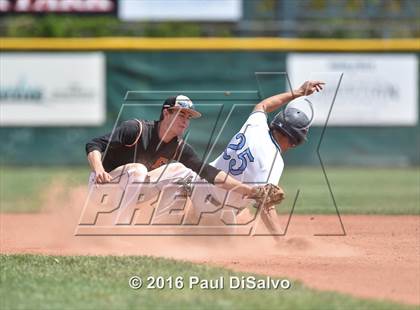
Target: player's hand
x=102, y=176
x=267, y=196
x=308, y=88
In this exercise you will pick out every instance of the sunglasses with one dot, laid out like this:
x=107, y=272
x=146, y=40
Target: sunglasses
x=185, y=104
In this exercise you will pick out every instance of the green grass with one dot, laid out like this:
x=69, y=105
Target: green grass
x=356, y=190
x=24, y=189
x=46, y=282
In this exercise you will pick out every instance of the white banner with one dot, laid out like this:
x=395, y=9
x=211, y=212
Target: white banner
x=52, y=89
x=176, y=10
x=375, y=90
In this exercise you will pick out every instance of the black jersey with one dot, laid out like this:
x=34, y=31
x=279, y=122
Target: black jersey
x=137, y=141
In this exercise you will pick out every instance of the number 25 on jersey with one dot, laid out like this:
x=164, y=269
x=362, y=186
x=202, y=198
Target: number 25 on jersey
x=243, y=156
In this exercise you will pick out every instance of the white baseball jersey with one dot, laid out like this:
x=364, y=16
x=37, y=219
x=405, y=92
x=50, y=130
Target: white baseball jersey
x=252, y=157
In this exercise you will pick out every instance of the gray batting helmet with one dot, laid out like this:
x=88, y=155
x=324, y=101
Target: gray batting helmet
x=293, y=123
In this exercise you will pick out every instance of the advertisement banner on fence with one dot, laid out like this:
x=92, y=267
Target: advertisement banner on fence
x=176, y=10
x=369, y=89
x=52, y=89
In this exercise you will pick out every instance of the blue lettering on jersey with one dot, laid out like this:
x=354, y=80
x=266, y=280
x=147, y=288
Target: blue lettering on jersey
x=244, y=156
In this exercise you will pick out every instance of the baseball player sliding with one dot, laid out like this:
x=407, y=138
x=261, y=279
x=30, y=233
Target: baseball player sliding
x=254, y=156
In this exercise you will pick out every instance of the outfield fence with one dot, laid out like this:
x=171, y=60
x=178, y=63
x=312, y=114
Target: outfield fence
x=219, y=74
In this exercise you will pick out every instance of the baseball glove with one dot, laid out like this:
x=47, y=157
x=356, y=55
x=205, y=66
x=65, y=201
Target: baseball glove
x=267, y=196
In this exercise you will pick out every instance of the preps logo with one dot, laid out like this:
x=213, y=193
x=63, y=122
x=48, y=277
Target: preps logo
x=171, y=200
x=157, y=205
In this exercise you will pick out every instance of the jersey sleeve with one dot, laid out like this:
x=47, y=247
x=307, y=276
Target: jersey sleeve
x=256, y=119
x=126, y=134
x=190, y=159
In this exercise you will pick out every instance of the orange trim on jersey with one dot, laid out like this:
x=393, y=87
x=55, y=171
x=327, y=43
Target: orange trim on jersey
x=138, y=137
x=159, y=162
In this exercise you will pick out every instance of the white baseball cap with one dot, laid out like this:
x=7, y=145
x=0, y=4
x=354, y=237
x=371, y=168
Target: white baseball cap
x=181, y=102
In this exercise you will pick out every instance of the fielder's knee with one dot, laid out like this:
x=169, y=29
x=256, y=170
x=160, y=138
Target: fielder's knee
x=136, y=172
x=178, y=170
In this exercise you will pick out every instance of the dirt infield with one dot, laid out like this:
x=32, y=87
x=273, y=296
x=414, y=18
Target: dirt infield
x=378, y=258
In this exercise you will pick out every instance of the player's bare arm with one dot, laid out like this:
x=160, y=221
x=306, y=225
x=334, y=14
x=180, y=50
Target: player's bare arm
x=228, y=183
x=95, y=162
x=273, y=103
